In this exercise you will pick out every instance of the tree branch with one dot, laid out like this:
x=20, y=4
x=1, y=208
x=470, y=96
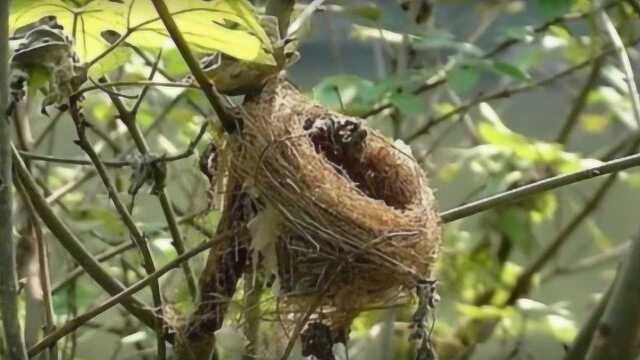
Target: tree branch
x=137, y=235
x=616, y=336
x=128, y=118
x=520, y=193
x=230, y=121
x=74, y=246
x=8, y=277
x=123, y=296
x=580, y=102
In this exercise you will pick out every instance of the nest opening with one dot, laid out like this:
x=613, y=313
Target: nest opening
x=341, y=142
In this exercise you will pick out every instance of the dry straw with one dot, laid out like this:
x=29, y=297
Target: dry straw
x=348, y=215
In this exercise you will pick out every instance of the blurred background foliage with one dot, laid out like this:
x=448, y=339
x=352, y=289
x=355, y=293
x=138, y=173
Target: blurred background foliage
x=490, y=95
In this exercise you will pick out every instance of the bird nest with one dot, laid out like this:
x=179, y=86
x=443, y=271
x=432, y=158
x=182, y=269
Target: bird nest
x=347, y=218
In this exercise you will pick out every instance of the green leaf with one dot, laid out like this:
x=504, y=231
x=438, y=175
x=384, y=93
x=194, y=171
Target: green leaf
x=514, y=222
x=442, y=40
x=463, y=78
x=228, y=26
x=407, y=103
x=554, y=8
x=561, y=328
x=368, y=11
x=511, y=71
x=594, y=123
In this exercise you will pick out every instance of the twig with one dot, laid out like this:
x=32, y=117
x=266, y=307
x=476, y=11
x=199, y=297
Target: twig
x=60, y=160
x=440, y=78
x=580, y=102
x=8, y=277
x=303, y=17
x=537, y=187
x=508, y=92
x=524, y=279
x=43, y=269
x=125, y=216
x=74, y=246
x=623, y=57
x=122, y=296
x=74, y=274
x=230, y=121
x=618, y=330
x=591, y=262
x=141, y=83
x=128, y=118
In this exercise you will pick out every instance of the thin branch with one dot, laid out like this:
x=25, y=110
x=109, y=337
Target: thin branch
x=441, y=77
x=140, y=83
x=74, y=246
x=137, y=235
x=60, y=160
x=580, y=102
x=619, y=328
x=8, y=277
x=230, y=121
x=123, y=296
x=623, y=57
x=74, y=274
x=589, y=263
x=551, y=249
x=508, y=92
x=128, y=118
x=537, y=187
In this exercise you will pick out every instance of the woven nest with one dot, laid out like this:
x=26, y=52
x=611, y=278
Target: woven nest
x=352, y=219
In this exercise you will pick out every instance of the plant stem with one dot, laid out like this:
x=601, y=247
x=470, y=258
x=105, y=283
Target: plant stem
x=128, y=118
x=580, y=102
x=74, y=246
x=230, y=121
x=138, y=236
x=123, y=296
x=520, y=193
x=8, y=277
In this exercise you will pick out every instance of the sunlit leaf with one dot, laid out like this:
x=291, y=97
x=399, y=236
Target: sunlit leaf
x=553, y=8
x=562, y=328
x=594, y=123
x=229, y=26
x=407, y=103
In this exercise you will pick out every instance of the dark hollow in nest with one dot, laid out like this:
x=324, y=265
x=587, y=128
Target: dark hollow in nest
x=352, y=218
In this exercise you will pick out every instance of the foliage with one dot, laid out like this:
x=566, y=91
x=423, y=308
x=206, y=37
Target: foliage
x=492, y=84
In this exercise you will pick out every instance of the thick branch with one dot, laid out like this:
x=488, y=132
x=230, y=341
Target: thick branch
x=617, y=332
x=8, y=277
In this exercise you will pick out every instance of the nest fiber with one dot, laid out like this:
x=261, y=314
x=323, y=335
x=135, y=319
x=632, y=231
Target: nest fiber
x=355, y=222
